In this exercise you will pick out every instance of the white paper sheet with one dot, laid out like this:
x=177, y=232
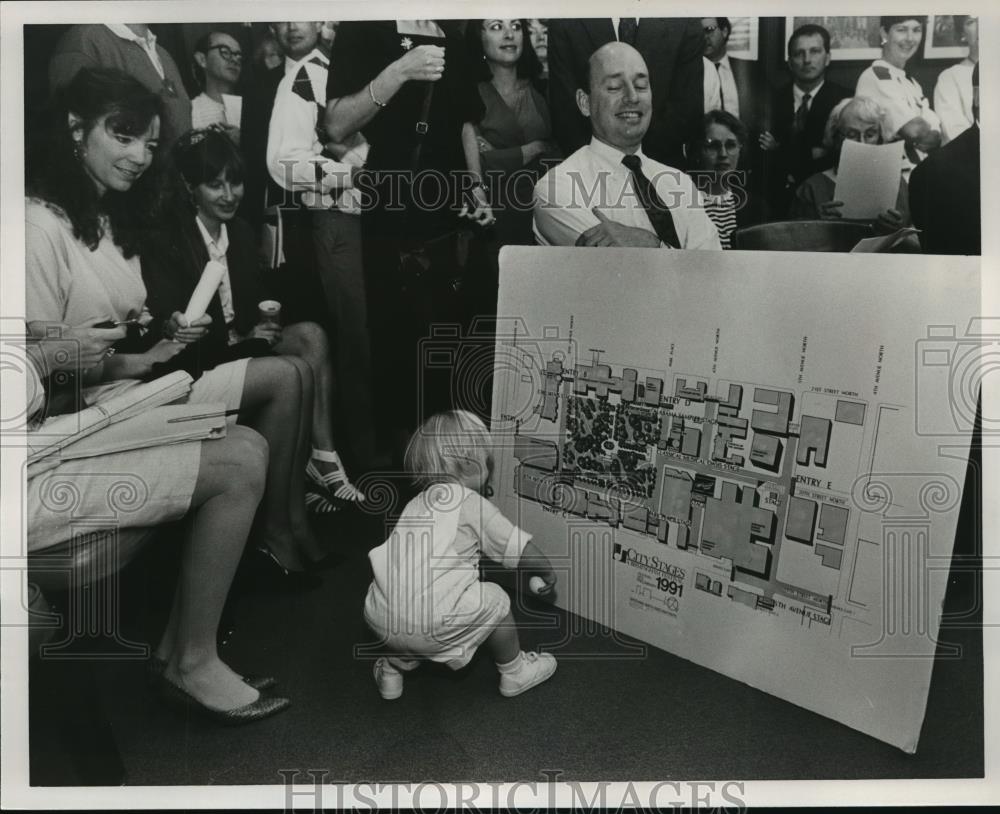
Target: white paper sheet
x=868, y=178
x=883, y=243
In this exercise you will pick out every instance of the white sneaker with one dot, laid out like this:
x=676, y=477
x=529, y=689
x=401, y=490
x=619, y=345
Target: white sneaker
x=533, y=668
x=388, y=679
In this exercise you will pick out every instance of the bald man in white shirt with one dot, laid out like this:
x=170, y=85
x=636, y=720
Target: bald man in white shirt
x=608, y=193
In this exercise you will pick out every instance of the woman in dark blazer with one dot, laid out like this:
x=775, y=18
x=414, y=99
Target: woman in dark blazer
x=202, y=226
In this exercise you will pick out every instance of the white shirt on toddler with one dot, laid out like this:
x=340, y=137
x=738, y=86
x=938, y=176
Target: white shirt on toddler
x=426, y=598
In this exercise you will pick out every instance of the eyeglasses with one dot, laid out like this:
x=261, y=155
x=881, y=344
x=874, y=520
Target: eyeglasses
x=227, y=53
x=710, y=29
x=716, y=146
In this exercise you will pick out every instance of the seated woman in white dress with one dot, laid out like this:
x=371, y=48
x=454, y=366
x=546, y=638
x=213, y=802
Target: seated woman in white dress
x=216, y=483
x=91, y=186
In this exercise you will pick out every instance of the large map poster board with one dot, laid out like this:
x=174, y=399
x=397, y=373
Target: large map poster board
x=752, y=460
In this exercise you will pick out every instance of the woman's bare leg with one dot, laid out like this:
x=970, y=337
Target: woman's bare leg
x=231, y=478
x=307, y=340
x=277, y=402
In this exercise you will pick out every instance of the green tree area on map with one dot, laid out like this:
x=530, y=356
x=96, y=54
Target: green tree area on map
x=608, y=444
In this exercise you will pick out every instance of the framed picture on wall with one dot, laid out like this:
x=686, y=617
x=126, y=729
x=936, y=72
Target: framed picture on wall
x=945, y=37
x=850, y=37
x=743, y=37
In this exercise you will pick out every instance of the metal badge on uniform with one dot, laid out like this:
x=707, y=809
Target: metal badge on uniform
x=406, y=43
x=169, y=89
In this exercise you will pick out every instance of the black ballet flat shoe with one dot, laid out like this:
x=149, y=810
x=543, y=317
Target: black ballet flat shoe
x=156, y=666
x=263, y=707
x=270, y=569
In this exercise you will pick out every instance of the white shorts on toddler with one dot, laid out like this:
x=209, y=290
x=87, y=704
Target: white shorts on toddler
x=452, y=639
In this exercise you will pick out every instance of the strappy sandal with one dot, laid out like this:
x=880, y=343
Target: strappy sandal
x=334, y=481
x=320, y=503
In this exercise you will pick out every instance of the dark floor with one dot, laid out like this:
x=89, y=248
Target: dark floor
x=613, y=711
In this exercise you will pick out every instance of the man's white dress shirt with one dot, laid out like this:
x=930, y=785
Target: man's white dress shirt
x=594, y=177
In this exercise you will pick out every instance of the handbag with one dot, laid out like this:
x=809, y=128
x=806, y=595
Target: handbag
x=435, y=267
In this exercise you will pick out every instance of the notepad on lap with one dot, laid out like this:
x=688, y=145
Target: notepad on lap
x=160, y=426
x=61, y=431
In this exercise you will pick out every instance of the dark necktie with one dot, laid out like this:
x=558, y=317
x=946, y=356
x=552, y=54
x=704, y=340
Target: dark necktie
x=659, y=215
x=722, y=98
x=802, y=113
x=627, y=28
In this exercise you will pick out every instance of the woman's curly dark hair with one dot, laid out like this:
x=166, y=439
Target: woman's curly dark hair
x=529, y=66
x=116, y=101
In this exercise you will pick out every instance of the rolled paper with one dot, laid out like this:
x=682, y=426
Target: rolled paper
x=204, y=291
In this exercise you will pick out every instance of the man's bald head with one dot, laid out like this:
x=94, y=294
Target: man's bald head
x=618, y=98
x=600, y=57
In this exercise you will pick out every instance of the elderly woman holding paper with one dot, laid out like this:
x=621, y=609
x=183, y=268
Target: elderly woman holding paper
x=217, y=483
x=203, y=255
x=92, y=188
x=851, y=120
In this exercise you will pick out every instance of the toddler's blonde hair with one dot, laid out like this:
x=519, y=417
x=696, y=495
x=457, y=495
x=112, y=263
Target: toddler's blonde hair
x=449, y=446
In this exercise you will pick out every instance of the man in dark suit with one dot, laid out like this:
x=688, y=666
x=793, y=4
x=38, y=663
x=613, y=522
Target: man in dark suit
x=258, y=102
x=672, y=50
x=730, y=84
x=794, y=142
x=945, y=192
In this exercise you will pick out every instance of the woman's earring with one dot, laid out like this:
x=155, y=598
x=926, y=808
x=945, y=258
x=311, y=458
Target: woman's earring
x=78, y=150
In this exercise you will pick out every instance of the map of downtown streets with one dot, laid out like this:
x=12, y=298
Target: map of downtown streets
x=753, y=477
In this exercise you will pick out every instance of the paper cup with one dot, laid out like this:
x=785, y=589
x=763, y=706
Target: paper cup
x=269, y=312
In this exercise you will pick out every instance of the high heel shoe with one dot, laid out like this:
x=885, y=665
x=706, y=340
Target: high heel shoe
x=156, y=666
x=319, y=501
x=263, y=707
x=291, y=580
x=335, y=480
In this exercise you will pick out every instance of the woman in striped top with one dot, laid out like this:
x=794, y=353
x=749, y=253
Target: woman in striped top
x=722, y=183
